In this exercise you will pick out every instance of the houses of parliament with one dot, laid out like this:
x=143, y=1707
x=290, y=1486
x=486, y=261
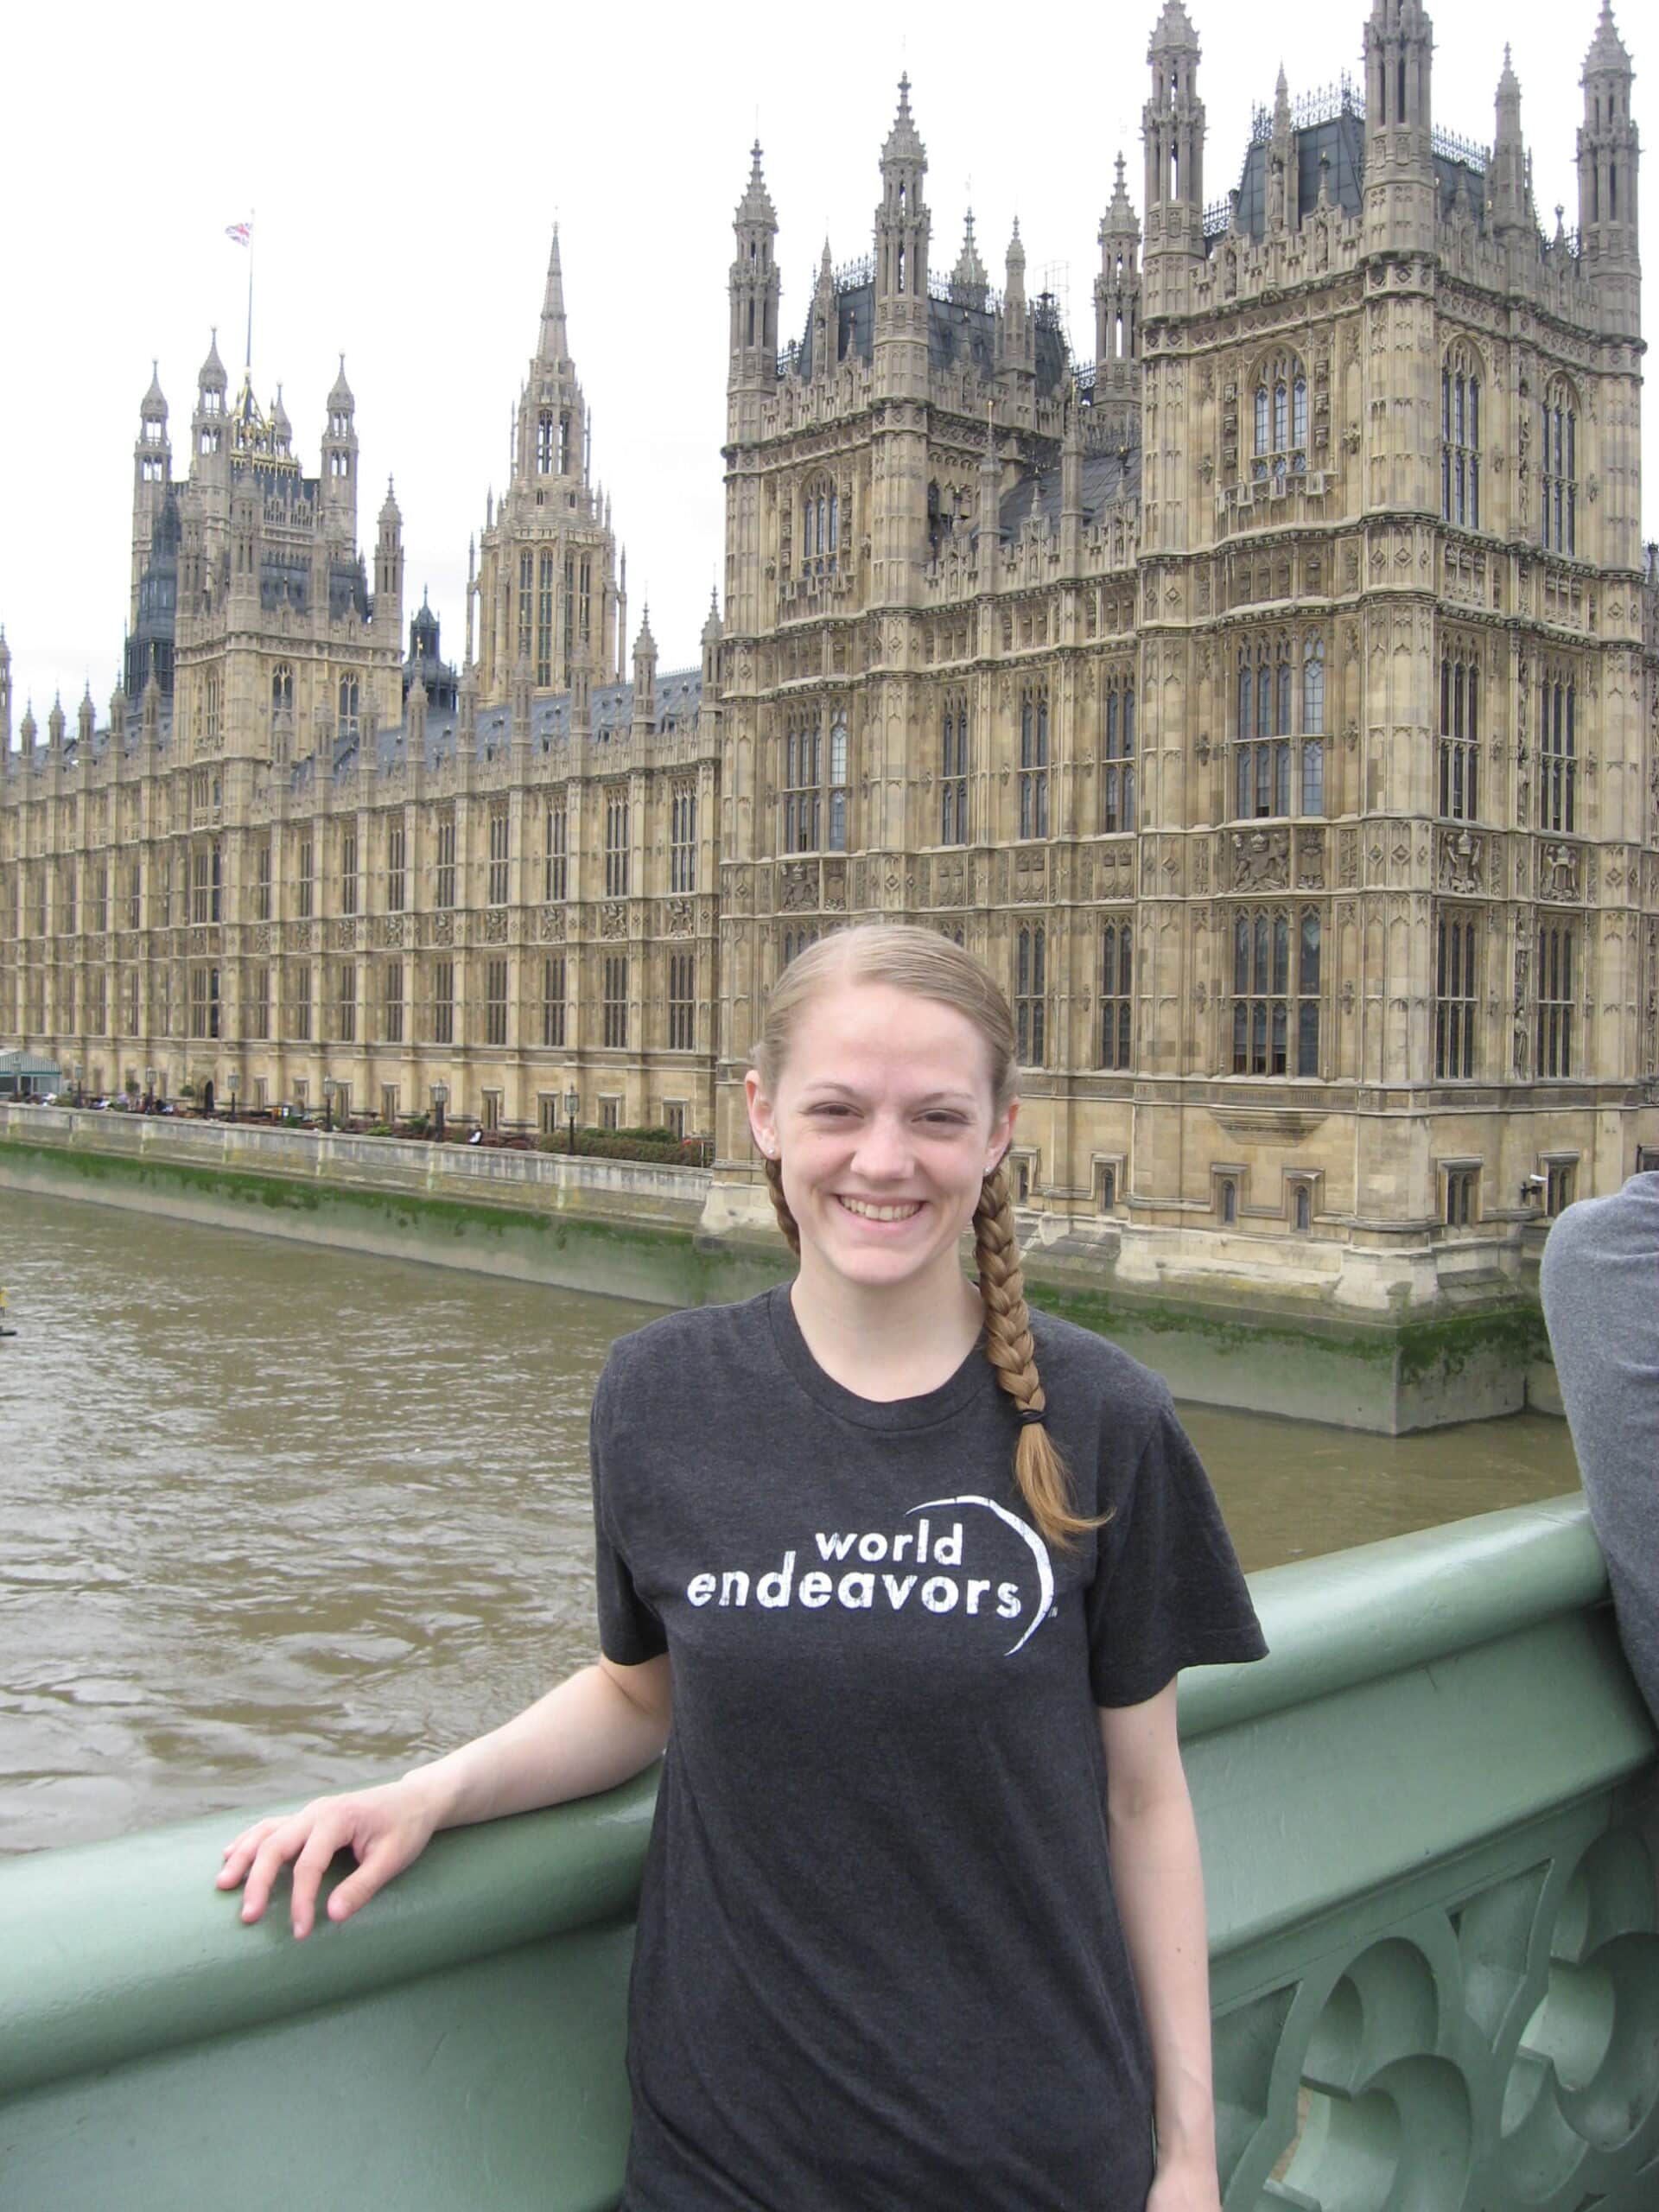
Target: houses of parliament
x=1272, y=703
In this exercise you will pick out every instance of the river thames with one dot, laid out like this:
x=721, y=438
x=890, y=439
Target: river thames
x=275, y=1519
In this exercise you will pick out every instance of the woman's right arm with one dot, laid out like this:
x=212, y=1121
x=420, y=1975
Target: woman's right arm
x=596, y=1729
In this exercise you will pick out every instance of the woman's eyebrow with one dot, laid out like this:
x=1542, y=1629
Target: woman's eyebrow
x=830, y=1087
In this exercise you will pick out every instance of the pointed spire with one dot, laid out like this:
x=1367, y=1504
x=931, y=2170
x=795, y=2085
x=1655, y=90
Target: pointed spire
x=826, y=272
x=153, y=407
x=969, y=282
x=1607, y=49
x=390, y=510
x=904, y=141
x=712, y=631
x=211, y=377
x=1119, y=220
x=1506, y=173
x=555, y=343
x=1174, y=29
x=1014, y=291
x=339, y=394
x=1281, y=105
x=755, y=206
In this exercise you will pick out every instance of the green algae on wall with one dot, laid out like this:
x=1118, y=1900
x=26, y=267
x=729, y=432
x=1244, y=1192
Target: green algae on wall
x=1389, y=1373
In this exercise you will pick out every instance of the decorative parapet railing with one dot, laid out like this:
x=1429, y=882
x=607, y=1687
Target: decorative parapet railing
x=1429, y=1847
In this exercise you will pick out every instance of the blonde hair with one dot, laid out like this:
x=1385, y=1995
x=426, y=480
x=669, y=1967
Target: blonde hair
x=906, y=959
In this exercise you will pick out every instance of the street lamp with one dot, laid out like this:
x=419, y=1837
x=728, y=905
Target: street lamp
x=329, y=1087
x=440, y=1100
x=572, y=1106
x=231, y=1083
x=149, y=1090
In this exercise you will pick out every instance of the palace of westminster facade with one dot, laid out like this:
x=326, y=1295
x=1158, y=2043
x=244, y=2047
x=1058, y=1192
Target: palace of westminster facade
x=1274, y=705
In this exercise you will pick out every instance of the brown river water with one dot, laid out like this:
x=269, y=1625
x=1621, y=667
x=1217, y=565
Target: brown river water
x=275, y=1519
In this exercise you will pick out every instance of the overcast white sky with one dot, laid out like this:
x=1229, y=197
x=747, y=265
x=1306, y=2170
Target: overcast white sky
x=404, y=170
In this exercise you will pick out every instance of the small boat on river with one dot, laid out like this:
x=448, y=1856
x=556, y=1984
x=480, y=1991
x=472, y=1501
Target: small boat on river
x=6, y=1329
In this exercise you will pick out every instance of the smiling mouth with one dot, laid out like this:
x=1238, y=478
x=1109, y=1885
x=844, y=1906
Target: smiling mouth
x=867, y=1210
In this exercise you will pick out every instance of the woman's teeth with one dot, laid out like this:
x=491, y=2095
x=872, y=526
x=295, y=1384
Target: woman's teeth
x=868, y=1212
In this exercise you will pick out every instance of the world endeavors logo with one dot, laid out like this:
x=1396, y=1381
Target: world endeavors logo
x=924, y=1564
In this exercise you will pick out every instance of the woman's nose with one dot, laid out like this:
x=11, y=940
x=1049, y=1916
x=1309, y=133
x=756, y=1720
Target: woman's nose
x=884, y=1148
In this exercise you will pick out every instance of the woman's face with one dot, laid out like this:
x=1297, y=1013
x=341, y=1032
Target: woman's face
x=884, y=1121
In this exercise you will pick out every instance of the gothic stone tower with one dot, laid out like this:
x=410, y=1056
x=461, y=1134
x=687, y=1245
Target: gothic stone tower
x=547, y=593
x=1264, y=702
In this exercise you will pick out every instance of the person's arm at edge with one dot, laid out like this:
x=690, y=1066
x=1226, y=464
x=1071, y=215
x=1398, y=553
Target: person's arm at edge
x=1159, y=1884
x=591, y=1732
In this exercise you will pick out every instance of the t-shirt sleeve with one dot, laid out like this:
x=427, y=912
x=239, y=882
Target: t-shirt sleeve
x=630, y=1629
x=1168, y=1592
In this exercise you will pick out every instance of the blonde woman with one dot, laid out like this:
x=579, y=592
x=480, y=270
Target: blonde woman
x=901, y=1576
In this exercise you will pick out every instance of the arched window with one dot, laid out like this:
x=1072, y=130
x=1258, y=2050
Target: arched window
x=1304, y=1208
x=1560, y=461
x=837, y=841
x=1276, y=992
x=1116, y=1003
x=953, y=774
x=1454, y=998
x=1280, y=422
x=1229, y=1201
x=282, y=691
x=1313, y=726
x=1460, y=438
x=1459, y=778
x=348, y=706
x=1029, y=988
x=545, y=442
x=820, y=521
x=1263, y=783
x=1033, y=765
x=1117, y=763
x=1558, y=752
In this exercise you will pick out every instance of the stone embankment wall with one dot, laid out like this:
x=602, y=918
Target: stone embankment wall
x=686, y=1237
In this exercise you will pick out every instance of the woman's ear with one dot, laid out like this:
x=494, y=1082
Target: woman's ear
x=1001, y=1139
x=762, y=1127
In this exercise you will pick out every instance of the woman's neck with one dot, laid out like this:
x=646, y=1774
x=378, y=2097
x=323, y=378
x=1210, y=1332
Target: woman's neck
x=886, y=1344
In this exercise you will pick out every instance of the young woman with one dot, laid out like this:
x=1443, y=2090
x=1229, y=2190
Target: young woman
x=913, y=1570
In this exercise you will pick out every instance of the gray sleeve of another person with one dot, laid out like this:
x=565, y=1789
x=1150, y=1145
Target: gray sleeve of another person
x=1600, y=1284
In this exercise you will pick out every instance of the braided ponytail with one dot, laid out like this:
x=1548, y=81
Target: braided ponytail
x=929, y=965
x=780, y=1204
x=1039, y=1467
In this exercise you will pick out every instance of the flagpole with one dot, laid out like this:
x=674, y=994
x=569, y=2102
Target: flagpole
x=249, y=353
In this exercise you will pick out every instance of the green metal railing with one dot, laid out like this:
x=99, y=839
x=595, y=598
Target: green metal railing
x=1430, y=1841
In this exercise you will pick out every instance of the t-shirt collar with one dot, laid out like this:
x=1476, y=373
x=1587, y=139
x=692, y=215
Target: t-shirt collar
x=970, y=1381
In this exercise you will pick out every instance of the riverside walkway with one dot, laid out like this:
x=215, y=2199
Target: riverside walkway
x=1430, y=1825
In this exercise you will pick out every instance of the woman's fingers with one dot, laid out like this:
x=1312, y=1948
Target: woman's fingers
x=285, y=1840
x=330, y=1831
x=381, y=1859
x=386, y=1829
x=240, y=1852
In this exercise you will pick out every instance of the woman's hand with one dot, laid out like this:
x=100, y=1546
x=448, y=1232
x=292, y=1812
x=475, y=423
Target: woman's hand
x=1185, y=2185
x=387, y=1828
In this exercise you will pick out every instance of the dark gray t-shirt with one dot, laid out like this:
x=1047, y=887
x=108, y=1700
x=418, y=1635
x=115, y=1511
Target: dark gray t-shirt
x=1600, y=1284
x=879, y=1961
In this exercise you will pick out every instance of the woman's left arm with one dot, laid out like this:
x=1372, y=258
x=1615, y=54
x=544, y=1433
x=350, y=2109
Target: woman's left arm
x=1159, y=1886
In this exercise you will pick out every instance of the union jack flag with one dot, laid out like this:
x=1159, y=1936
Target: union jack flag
x=239, y=233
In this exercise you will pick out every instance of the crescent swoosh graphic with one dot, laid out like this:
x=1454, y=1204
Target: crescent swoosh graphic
x=1039, y=1552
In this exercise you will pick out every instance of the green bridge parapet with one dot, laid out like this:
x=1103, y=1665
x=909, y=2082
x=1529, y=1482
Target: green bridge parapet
x=1430, y=1830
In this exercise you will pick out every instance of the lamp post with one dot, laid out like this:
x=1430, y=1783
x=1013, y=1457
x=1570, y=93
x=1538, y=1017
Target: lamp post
x=149, y=1090
x=231, y=1083
x=329, y=1087
x=440, y=1100
x=572, y=1106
